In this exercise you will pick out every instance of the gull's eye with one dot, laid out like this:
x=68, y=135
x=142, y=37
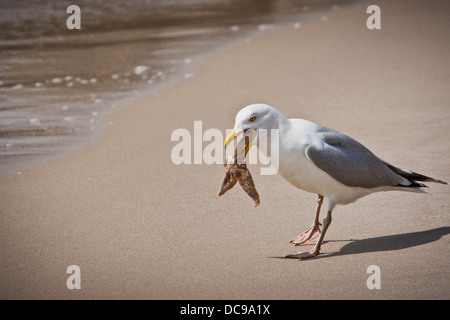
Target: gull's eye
x=252, y=118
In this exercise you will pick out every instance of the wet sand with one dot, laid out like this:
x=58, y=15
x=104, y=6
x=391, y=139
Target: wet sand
x=140, y=227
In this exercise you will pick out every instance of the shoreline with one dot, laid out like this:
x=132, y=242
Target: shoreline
x=141, y=227
x=38, y=135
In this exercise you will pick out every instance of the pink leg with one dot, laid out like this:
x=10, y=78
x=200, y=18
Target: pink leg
x=314, y=251
x=309, y=236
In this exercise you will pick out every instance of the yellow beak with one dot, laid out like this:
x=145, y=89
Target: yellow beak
x=233, y=135
x=230, y=138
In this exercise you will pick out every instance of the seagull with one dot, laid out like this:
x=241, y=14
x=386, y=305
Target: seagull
x=319, y=160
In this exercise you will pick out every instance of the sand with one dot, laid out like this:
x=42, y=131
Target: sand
x=141, y=227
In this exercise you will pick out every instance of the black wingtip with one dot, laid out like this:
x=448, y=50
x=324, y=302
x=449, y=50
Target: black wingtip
x=414, y=184
x=413, y=177
x=439, y=181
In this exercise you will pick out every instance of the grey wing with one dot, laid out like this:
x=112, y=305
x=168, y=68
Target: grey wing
x=351, y=163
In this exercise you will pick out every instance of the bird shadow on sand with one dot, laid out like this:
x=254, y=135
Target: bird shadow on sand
x=386, y=243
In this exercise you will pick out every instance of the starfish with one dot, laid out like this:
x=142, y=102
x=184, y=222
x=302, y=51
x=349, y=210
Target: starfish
x=239, y=172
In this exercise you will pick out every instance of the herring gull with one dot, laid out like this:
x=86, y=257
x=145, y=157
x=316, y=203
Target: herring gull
x=325, y=162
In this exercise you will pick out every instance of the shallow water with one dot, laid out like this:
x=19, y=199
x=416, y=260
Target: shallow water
x=56, y=83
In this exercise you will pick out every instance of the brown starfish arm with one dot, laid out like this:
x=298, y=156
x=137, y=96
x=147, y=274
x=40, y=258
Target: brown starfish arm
x=242, y=174
x=228, y=182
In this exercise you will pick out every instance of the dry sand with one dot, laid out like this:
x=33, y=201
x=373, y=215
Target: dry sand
x=139, y=226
